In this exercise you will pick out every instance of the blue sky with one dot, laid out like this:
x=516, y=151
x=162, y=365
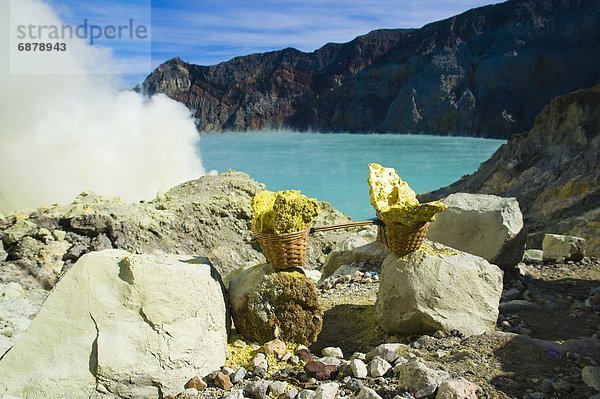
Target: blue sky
x=208, y=32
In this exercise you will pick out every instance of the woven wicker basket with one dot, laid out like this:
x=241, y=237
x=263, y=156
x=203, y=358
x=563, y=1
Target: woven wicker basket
x=402, y=239
x=284, y=251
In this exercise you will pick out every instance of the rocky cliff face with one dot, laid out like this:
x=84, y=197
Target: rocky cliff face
x=552, y=169
x=486, y=72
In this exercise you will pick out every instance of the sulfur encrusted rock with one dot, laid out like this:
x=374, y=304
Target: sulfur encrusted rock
x=482, y=225
x=266, y=304
x=438, y=288
x=121, y=325
x=395, y=201
x=283, y=212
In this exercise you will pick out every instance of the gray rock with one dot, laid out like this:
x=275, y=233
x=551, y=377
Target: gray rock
x=260, y=361
x=533, y=255
x=367, y=393
x=268, y=304
x=459, y=388
x=512, y=293
x=558, y=246
x=19, y=230
x=420, y=379
x=113, y=320
x=327, y=390
x=292, y=393
x=333, y=352
x=438, y=288
x=358, y=368
x=239, y=375
x=256, y=389
x=378, y=367
x=591, y=377
x=482, y=225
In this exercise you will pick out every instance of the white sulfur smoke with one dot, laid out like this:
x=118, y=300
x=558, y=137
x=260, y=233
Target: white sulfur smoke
x=64, y=134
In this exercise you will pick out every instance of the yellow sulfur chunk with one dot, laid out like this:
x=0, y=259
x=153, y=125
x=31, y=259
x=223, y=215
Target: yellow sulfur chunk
x=283, y=212
x=395, y=201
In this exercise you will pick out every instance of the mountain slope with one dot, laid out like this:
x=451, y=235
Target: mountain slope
x=486, y=72
x=553, y=170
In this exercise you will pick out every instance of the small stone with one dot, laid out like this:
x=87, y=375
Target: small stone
x=307, y=394
x=537, y=395
x=256, y=389
x=354, y=384
x=319, y=370
x=561, y=385
x=238, y=343
x=328, y=390
x=420, y=379
x=291, y=394
x=439, y=334
x=388, y=352
x=275, y=347
x=358, y=355
x=533, y=255
x=223, y=381
x=294, y=360
x=332, y=351
x=286, y=357
x=378, y=367
x=260, y=372
x=547, y=385
x=59, y=235
x=239, y=375
x=196, y=382
x=260, y=361
x=358, y=368
x=367, y=393
x=591, y=377
x=235, y=394
x=190, y=393
x=332, y=361
x=278, y=388
x=457, y=389
x=304, y=353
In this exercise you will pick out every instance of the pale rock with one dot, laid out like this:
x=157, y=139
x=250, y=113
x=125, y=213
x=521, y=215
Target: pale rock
x=314, y=275
x=275, y=347
x=358, y=248
x=420, y=379
x=331, y=361
x=260, y=361
x=278, y=388
x=19, y=230
x=239, y=375
x=591, y=377
x=358, y=368
x=557, y=246
x=235, y=394
x=378, y=367
x=438, y=288
x=533, y=255
x=327, y=390
x=388, y=352
x=484, y=225
x=333, y=352
x=367, y=393
x=10, y=291
x=130, y=323
x=59, y=235
x=189, y=393
x=307, y=394
x=459, y=388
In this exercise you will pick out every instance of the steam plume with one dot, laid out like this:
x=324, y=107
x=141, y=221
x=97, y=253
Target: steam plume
x=60, y=135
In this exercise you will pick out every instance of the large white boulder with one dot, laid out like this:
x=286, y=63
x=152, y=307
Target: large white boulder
x=438, y=288
x=482, y=225
x=121, y=325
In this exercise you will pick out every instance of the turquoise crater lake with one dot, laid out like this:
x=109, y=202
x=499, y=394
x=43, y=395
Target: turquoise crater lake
x=333, y=167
